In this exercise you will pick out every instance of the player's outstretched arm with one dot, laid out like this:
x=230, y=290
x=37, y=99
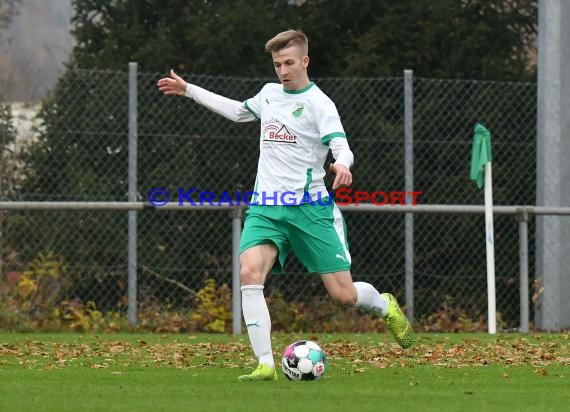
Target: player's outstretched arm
x=172, y=84
x=230, y=109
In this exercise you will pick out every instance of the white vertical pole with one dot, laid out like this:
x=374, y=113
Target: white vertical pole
x=490, y=242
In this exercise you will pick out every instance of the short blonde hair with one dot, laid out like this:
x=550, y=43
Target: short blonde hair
x=287, y=39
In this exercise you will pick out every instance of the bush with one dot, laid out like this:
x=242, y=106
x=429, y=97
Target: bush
x=454, y=319
x=35, y=300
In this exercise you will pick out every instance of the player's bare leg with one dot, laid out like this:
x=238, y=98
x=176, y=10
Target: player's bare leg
x=340, y=287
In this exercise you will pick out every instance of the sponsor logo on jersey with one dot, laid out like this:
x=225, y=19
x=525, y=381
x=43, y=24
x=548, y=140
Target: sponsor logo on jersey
x=275, y=131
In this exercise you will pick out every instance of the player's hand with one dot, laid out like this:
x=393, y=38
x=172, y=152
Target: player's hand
x=173, y=84
x=343, y=176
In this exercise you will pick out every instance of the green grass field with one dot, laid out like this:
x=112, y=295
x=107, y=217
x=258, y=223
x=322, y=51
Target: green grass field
x=144, y=372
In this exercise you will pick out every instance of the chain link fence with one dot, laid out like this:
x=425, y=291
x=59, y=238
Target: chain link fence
x=79, y=151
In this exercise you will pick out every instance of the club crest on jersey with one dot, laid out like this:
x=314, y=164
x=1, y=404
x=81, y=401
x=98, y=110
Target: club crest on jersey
x=298, y=110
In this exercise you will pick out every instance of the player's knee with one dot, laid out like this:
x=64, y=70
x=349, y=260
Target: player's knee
x=250, y=275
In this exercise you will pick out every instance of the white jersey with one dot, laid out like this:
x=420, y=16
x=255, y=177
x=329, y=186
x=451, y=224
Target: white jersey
x=296, y=128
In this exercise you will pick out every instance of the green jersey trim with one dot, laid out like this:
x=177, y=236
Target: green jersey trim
x=254, y=197
x=251, y=111
x=309, y=179
x=303, y=90
x=326, y=139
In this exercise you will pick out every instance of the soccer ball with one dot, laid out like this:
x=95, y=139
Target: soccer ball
x=303, y=360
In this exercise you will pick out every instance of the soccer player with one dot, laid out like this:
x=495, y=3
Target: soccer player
x=290, y=208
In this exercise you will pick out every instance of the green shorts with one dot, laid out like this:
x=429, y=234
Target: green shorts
x=316, y=234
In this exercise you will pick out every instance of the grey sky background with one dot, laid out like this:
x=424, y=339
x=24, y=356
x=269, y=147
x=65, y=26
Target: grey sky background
x=36, y=45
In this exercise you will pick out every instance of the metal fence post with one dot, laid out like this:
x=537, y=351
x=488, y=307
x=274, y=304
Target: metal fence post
x=523, y=263
x=132, y=214
x=409, y=183
x=236, y=285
